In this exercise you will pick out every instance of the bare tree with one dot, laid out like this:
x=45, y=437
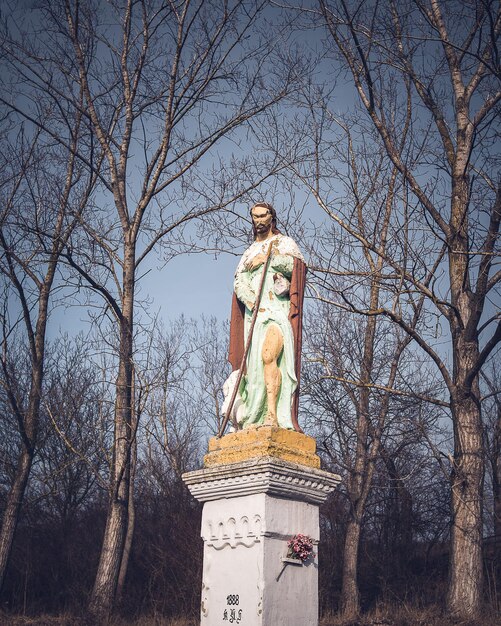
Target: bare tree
x=162, y=86
x=70, y=455
x=433, y=68
x=44, y=191
x=348, y=271
x=167, y=390
x=355, y=417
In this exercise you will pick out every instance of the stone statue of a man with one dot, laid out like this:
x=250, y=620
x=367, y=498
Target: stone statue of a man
x=268, y=391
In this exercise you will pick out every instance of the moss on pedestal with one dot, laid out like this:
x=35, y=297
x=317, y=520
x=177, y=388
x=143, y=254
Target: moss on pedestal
x=262, y=441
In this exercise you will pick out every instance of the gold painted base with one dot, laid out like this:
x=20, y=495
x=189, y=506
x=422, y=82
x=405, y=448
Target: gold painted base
x=262, y=441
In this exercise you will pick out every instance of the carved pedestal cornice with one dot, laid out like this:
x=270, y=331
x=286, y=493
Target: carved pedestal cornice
x=267, y=475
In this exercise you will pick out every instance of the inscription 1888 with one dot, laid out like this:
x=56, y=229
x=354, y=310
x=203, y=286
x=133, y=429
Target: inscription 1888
x=231, y=614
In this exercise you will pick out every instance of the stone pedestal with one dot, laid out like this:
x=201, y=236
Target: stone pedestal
x=252, y=507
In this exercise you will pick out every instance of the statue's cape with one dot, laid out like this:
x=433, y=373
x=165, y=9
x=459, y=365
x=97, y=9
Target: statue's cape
x=236, y=350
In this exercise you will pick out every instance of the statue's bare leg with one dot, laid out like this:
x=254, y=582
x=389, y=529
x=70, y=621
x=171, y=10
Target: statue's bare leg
x=272, y=348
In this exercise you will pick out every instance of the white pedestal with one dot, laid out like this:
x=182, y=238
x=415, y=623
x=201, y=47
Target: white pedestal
x=251, y=510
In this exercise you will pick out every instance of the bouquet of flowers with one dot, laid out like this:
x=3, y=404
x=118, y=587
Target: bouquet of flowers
x=300, y=547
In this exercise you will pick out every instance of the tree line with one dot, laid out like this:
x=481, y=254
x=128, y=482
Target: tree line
x=130, y=131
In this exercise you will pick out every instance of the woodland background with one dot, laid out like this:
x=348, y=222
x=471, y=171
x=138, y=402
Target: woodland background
x=135, y=133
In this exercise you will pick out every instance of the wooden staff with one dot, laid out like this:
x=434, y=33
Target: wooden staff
x=248, y=343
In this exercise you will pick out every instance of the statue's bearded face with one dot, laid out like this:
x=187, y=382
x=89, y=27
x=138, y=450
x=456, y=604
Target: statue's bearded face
x=261, y=218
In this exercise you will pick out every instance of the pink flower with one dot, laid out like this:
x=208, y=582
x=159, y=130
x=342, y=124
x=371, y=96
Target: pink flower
x=300, y=547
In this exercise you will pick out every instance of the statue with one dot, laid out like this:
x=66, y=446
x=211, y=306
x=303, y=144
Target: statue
x=270, y=276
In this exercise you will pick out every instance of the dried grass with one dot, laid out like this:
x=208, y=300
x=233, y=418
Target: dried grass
x=73, y=620
x=406, y=615
x=383, y=615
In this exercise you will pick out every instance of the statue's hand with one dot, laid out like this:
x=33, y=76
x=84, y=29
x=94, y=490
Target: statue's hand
x=250, y=305
x=255, y=262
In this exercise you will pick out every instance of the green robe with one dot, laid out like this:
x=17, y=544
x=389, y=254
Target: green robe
x=273, y=309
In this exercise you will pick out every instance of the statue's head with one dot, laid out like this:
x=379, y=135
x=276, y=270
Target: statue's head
x=263, y=217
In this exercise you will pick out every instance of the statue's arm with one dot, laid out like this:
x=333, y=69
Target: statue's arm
x=283, y=264
x=243, y=289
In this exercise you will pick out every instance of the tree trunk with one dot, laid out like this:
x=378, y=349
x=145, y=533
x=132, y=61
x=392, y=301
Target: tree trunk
x=466, y=567
x=496, y=479
x=361, y=474
x=103, y=596
x=103, y=593
x=28, y=426
x=13, y=508
x=350, y=595
x=400, y=528
x=405, y=507
x=131, y=522
x=464, y=597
